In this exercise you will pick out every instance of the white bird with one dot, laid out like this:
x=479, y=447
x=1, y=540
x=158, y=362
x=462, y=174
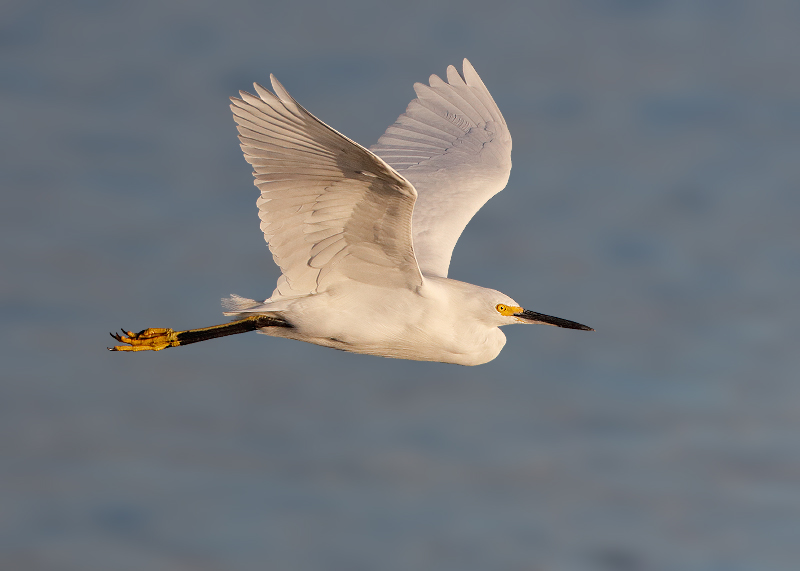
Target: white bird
x=364, y=237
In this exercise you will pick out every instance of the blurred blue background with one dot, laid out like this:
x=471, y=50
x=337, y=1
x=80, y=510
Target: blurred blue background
x=655, y=196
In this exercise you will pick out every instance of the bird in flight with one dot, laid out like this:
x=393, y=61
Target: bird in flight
x=363, y=237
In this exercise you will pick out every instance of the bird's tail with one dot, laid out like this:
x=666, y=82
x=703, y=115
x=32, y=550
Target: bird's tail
x=237, y=304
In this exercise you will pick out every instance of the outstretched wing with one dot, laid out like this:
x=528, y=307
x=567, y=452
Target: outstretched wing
x=330, y=209
x=453, y=145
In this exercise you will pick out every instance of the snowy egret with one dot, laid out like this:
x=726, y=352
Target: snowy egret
x=364, y=237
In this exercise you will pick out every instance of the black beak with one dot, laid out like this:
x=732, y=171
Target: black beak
x=533, y=317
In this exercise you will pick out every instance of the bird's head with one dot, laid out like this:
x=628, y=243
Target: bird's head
x=507, y=312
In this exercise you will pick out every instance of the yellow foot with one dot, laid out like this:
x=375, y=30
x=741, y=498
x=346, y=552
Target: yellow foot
x=153, y=339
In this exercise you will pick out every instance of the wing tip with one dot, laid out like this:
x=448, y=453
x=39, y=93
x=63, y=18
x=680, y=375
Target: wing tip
x=471, y=76
x=280, y=90
x=265, y=94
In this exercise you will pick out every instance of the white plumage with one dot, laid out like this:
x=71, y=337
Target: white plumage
x=363, y=238
x=453, y=145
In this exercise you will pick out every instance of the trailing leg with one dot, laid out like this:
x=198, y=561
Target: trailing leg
x=156, y=339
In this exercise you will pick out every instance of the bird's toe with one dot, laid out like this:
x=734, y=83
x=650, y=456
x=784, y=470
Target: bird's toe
x=151, y=339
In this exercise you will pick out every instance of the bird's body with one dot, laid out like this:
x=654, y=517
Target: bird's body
x=439, y=321
x=364, y=237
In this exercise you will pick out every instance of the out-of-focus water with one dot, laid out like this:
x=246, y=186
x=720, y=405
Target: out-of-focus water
x=655, y=196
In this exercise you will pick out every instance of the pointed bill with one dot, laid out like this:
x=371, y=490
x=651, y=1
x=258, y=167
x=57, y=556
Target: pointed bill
x=527, y=316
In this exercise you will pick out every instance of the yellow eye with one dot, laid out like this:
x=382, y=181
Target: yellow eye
x=507, y=310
